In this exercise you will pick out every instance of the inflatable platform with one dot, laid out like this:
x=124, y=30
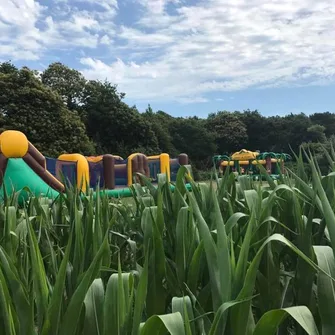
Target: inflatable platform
x=23, y=166
x=245, y=162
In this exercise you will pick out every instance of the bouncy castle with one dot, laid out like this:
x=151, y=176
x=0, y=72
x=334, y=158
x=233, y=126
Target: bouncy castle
x=23, y=166
x=245, y=162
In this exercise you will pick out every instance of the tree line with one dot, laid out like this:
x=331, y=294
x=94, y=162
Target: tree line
x=61, y=111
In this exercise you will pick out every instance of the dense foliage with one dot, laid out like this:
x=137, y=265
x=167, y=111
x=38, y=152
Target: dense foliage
x=227, y=258
x=60, y=110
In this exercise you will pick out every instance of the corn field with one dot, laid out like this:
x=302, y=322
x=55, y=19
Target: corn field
x=225, y=258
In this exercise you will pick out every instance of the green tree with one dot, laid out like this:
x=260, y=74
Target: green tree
x=28, y=106
x=191, y=137
x=149, y=110
x=317, y=133
x=295, y=129
x=257, y=129
x=160, y=123
x=275, y=135
x=7, y=68
x=317, y=143
x=69, y=83
x=113, y=125
x=230, y=131
x=327, y=120
x=283, y=133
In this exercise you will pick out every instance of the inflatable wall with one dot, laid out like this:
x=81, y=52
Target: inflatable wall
x=23, y=166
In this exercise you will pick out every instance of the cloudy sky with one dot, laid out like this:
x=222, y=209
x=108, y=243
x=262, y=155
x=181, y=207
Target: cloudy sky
x=187, y=57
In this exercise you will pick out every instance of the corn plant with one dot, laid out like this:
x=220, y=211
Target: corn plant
x=226, y=257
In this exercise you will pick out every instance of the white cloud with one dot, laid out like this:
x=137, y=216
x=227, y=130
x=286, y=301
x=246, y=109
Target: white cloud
x=119, y=71
x=29, y=30
x=80, y=22
x=18, y=29
x=139, y=39
x=78, y=31
x=178, y=50
x=106, y=4
x=192, y=100
x=221, y=45
x=156, y=6
x=105, y=39
x=20, y=13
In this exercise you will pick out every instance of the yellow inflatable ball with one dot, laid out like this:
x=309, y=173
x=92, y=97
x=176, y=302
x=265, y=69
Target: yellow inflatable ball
x=13, y=144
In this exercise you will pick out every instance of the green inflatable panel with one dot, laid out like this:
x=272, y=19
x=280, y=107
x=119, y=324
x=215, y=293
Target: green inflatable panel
x=19, y=175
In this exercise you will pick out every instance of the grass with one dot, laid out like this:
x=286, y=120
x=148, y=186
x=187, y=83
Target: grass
x=227, y=258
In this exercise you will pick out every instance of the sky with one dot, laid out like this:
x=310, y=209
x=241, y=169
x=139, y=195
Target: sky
x=186, y=57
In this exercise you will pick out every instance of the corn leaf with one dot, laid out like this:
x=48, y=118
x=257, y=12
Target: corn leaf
x=72, y=315
x=326, y=288
x=94, y=303
x=270, y=321
x=161, y=324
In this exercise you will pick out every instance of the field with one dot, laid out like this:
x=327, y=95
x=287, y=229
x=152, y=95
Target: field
x=226, y=258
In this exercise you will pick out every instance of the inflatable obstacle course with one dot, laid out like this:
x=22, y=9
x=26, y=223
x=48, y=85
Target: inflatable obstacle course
x=23, y=166
x=245, y=162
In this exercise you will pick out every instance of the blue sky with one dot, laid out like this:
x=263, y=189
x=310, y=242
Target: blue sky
x=186, y=57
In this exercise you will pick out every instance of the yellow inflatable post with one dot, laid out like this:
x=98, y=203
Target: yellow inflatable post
x=94, y=159
x=165, y=164
x=130, y=168
x=164, y=160
x=83, y=170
